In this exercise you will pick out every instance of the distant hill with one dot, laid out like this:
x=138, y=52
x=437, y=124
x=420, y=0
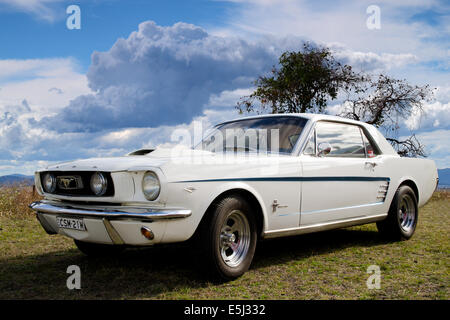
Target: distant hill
x=444, y=178
x=16, y=178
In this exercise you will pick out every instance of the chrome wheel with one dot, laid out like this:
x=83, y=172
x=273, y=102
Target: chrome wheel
x=407, y=213
x=403, y=215
x=235, y=238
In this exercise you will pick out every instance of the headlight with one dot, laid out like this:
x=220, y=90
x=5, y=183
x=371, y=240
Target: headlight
x=98, y=184
x=151, y=186
x=49, y=183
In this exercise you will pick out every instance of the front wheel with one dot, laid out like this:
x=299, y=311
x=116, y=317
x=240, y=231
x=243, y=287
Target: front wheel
x=401, y=221
x=229, y=237
x=97, y=249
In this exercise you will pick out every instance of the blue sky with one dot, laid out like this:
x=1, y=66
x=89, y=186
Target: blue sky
x=29, y=35
x=138, y=70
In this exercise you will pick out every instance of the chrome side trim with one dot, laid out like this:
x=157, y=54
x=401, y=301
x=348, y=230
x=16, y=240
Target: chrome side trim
x=45, y=206
x=322, y=226
x=342, y=208
x=113, y=234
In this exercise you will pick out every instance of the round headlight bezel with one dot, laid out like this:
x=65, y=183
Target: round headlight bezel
x=49, y=188
x=151, y=192
x=103, y=183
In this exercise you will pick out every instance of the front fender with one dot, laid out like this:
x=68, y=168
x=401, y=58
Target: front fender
x=198, y=196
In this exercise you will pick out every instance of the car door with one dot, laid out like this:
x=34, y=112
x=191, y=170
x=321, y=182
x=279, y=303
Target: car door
x=338, y=181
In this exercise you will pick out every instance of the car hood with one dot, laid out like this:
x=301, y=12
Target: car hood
x=157, y=158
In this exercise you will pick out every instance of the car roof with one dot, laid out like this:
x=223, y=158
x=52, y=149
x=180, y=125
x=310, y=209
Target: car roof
x=309, y=116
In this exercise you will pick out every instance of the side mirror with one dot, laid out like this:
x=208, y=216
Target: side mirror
x=323, y=149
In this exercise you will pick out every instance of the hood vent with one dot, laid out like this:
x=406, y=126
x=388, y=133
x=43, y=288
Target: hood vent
x=140, y=152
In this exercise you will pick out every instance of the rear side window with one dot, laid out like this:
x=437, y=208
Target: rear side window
x=370, y=150
x=346, y=140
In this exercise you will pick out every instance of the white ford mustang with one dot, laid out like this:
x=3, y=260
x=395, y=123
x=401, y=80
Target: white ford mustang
x=249, y=179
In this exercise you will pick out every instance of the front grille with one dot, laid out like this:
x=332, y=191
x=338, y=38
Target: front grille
x=78, y=183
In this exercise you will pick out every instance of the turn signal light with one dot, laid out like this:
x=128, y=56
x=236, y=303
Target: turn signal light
x=147, y=233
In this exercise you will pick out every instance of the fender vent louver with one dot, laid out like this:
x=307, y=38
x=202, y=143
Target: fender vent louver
x=382, y=191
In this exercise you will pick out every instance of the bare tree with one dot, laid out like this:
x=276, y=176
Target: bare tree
x=383, y=103
x=410, y=147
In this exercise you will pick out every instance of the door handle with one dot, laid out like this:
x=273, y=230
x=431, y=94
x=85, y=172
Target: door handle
x=276, y=205
x=373, y=164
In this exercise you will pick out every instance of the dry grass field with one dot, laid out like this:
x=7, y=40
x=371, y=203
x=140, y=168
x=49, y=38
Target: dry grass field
x=327, y=265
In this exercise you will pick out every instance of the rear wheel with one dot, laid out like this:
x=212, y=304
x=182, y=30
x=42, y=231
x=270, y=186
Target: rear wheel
x=402, y=218
x=98, y=250
x=229, y=238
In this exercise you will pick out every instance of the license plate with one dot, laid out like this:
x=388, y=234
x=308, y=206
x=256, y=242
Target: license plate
x=71, y=223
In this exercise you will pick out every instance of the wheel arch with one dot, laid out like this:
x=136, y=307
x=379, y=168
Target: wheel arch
x=410, y=183
x=246, y=194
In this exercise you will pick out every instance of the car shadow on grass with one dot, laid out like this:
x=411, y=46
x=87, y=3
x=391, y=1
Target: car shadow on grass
x=135, y=273
x=282, y=250
x=157, y=272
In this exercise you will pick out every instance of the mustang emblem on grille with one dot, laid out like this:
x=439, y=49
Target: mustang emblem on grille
x=70, y=183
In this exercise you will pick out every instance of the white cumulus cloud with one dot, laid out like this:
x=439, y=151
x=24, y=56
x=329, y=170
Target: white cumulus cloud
x=165, y=76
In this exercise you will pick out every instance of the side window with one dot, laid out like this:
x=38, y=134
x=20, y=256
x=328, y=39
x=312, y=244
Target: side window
x=370, y=150
x=345, y=139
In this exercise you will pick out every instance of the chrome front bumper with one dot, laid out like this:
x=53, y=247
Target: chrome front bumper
x=128, y=219
x=137, y=213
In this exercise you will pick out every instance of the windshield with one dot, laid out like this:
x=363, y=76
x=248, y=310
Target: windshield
x=263, y=135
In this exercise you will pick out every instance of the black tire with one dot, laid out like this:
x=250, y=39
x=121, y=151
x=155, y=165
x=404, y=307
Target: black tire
x=98, y=250
x=402, y=218
x=228, y=238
